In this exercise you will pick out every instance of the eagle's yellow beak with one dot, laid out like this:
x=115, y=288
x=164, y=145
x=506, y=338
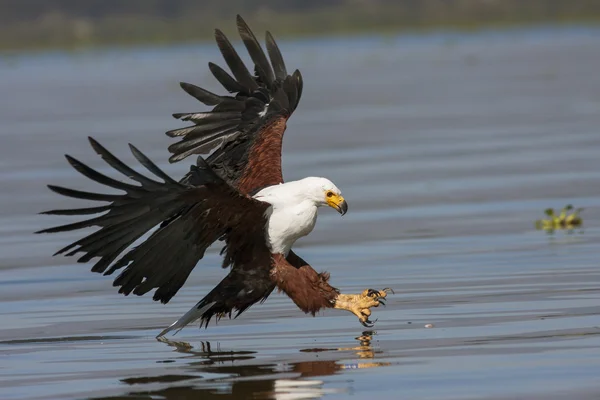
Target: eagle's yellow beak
x=337, y=201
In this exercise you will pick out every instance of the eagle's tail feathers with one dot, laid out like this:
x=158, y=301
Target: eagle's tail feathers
x=192, y=315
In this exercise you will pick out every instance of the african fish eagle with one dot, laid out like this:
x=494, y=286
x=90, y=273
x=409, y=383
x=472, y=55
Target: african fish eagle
x=236, y=195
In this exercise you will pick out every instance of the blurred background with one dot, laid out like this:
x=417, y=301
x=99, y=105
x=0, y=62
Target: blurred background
x=449, y=125
x=79, y=23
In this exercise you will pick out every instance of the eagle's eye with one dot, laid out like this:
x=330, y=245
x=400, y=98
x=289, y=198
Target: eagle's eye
x=329, y=194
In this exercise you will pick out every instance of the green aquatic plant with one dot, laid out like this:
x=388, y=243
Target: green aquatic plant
x=566, y=220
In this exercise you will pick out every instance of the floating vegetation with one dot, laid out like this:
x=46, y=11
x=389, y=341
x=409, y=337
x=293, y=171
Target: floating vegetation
x=568, y=219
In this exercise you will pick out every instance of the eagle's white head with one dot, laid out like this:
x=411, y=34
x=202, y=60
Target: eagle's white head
x=316, y=190
x=323, y=192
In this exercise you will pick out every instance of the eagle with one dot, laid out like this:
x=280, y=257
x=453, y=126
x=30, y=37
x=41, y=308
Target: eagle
x=236, y=196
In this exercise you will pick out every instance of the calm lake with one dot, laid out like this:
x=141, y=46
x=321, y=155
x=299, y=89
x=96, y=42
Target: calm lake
x=447, y=147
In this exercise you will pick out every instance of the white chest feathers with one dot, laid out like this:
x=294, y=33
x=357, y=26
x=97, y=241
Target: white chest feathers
x=288, y=224
x=293, y=214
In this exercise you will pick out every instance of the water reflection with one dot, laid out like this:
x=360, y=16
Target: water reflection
x=363, y=350
x=212, y=373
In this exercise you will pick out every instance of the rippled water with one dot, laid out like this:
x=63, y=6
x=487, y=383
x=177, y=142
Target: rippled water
x=447, y=147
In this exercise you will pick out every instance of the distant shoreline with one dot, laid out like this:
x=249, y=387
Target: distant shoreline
x=76, y=34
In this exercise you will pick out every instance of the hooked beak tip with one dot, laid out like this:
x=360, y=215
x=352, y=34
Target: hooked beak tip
x=342, y=208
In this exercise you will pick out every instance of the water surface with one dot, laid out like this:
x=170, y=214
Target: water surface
x=447, y=147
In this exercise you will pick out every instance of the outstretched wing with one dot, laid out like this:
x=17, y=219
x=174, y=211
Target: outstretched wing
x=190, y=218
x=245, y=129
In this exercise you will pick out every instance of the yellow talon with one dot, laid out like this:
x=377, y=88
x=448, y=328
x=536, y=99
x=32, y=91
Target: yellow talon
x=361, y=304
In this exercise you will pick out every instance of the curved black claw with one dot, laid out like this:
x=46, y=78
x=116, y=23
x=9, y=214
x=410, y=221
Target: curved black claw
x=381, y=301
x=373, y=292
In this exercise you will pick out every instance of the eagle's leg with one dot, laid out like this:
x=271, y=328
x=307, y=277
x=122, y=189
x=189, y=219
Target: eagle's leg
x=361, y=304
x=312, y=292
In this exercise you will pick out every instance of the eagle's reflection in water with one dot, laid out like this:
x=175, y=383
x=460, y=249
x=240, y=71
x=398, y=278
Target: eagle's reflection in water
x=212, y=373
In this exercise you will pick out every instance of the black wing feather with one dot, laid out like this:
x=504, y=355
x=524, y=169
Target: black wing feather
x=276, y=57
x=199, y=143
x=210, y=128
x=120, y=166
x=78, y=194
x=225, y=79
x=98, y=177
x=78, y=211
x=299, y=84
x=261, y=64
x=202, y=95
x=235, y=63
x=150, y=166
x=205, y=117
